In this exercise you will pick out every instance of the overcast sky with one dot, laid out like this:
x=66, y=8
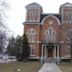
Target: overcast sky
x=17, y=12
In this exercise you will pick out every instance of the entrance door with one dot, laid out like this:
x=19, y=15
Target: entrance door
x=50, y=52
x=50, y=47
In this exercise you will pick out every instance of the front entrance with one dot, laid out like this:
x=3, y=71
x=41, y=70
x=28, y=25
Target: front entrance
x=50, y=48
x=50, y=52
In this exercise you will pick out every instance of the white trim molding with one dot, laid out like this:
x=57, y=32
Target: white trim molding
x=50, y=16
x=34, y=41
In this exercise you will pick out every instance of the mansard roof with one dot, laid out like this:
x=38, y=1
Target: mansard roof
x=34, y=4
x=44, y=15
x=67, y=4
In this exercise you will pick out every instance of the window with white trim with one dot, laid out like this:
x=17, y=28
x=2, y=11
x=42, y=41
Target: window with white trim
x=31, y=33
x=50, y=34
x=66, y=36
x=68, y=49
x=68, y=16
x=32, y=51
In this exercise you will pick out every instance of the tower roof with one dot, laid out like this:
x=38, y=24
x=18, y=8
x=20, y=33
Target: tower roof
x=34, y=4
x=67, y=4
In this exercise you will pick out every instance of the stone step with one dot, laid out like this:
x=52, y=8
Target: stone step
x=50, y=60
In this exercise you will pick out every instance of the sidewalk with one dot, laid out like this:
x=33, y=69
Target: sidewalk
x=50, y=67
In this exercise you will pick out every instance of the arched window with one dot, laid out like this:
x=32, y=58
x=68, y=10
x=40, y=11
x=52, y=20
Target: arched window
x=50, y=34
x=31, y=34
x=66, y=36
x=68, y=16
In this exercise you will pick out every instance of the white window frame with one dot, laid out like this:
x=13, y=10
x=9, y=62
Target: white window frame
x=48, y=36
x=31, y=34
x=32, y=52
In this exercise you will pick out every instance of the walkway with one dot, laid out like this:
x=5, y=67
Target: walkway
x=50, y=67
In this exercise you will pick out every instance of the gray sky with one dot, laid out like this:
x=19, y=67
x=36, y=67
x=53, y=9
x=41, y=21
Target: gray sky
x=17, y=12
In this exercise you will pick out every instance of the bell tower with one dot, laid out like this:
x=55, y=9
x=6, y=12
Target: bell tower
x=33, y=12
x=66, y=13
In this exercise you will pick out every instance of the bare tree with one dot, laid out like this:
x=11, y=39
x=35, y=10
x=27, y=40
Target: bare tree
x=3, y=27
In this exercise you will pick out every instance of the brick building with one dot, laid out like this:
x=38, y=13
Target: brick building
x=48, y=33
